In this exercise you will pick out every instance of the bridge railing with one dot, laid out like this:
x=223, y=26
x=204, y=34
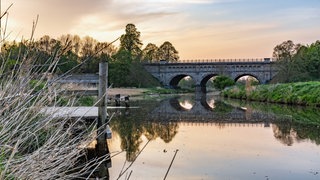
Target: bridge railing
x=217, y=60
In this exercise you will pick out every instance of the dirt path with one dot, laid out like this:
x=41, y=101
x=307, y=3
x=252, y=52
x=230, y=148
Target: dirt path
x=126, y=91
x=111, y=91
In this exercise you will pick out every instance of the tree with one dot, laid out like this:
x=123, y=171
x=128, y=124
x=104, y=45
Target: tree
x=119, y=69
x=9, y=57
x=46, y=51
x=125, y=73
x=150, y=53
x=105, y=49
x=168, y=52
x=284, y=54
x=312, y=56
x=130, y=41
x=286, y=50
x=125, y=69
x=76, y=44
x=73, y=42
x=222, y=82
x=67, y=61
x=92, y=52
x=87, y=46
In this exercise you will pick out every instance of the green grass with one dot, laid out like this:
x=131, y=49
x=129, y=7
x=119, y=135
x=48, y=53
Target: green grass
x=166, y=91
x=301, y=93
x=86, y=101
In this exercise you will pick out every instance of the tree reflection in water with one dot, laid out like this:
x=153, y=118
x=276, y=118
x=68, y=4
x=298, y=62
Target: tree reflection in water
x=291, y=123
x=288, y=133
x=132, y=125
x=283, y=132
x=130, y=132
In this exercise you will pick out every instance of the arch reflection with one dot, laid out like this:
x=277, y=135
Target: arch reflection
x=182, y=104
x=187, y=103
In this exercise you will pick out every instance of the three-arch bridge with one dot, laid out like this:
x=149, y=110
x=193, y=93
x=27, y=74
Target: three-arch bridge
x=170, y=73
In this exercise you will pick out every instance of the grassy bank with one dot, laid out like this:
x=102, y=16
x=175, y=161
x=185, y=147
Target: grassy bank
x=302, y=93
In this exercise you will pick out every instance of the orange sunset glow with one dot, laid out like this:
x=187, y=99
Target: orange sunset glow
x=199, y=29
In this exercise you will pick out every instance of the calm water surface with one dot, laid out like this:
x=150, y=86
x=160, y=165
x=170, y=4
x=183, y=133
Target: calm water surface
x=213, y=139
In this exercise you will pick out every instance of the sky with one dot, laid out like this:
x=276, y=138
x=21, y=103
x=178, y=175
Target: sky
x=198, y=29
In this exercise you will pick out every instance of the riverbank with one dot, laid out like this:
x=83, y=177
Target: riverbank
x=146, y=91
x=127, y=91
x=133, y=93
x=301, y=93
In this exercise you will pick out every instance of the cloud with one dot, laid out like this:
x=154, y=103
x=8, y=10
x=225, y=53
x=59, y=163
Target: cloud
x=93, y=17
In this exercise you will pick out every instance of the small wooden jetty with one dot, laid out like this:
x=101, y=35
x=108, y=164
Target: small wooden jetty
x=85, y=112
x=72, y=112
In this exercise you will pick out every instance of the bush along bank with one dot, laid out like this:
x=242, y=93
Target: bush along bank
x=301, y=93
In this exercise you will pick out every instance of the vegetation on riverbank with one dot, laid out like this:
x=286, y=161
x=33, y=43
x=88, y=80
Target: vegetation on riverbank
x=82, y=55
x=301, y=93
x=152, y=91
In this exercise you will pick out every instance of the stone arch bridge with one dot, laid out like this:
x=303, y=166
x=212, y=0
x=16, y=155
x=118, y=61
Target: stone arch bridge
x=170, y=73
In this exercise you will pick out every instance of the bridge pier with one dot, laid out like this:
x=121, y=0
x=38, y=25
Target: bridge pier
x=201, y=89
x=200, y=92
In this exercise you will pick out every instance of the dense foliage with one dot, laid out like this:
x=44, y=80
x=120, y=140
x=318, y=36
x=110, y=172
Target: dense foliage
x=222, y=82
x=297, y=62
x=72, y=54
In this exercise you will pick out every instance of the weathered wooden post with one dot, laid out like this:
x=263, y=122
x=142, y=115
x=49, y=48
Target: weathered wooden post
x=101, y=147
x=102, y=108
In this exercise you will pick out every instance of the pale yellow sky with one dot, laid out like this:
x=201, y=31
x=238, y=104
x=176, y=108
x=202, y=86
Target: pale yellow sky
x=199, y=29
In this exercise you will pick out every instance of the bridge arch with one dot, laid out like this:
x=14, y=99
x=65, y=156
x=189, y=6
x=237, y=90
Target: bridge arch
x=247, y=74
x=206, y=78
x=177, y=78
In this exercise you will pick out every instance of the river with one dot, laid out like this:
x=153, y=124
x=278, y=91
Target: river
x=205, y=137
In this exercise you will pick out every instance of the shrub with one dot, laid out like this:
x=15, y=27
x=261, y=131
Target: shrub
x=222, y=82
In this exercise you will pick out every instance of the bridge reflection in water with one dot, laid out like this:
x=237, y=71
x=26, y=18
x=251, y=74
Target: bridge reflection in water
x=206, y=109
x=162, y=119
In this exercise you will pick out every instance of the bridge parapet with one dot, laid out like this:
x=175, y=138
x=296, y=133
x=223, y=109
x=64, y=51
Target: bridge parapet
x=216, y=60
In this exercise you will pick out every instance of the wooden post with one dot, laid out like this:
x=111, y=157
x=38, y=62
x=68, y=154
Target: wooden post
x=101, y=147
x=102, y=109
